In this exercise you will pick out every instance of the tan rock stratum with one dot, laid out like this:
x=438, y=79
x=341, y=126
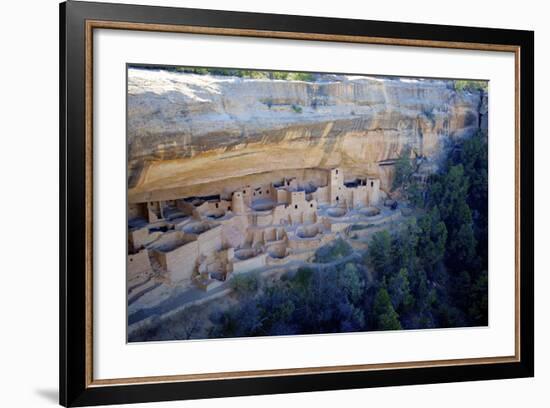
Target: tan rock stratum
x=192, y=135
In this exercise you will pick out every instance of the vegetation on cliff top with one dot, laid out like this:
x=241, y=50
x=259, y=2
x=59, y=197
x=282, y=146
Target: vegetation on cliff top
x=459, y=84
x=471, y=85
x=240, y=73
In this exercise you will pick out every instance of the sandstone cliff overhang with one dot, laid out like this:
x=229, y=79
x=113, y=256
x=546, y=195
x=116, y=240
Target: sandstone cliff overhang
x=185, y=131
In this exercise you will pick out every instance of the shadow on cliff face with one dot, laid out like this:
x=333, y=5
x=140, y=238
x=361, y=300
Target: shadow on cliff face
x=166, y=125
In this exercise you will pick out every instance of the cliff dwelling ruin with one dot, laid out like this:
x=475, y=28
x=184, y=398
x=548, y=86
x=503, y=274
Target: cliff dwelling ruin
x=242, y=175
x=203, y=241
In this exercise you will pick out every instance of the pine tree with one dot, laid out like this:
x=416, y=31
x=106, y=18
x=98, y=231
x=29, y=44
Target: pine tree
x=403, y=170
x=400, y=292
x=386, y=316
x=379, y=254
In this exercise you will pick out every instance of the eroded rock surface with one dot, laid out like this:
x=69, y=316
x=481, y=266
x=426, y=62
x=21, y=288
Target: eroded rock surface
x=195, y=135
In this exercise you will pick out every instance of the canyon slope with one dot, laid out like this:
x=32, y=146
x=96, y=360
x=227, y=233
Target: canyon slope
x=191, y=135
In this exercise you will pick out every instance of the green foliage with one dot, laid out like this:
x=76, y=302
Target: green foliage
x=303, y=277
x=419, y=285
x=379, y=255
x=240, y=73
x=198, y=71
x=333, y=251
x=462, y=248
x=404, y=179
x=351, y=282
x=296, y=108
x=460, y=195
x=404, y=246
x=415, y=194
x=300, y=76
x=449, y=191
x=479, y=299
x=403, y=170
x=432, y=239
x=277, y=306
x=471, y=85
x=474, y=156
x=385, y=315
x=307, y=301
x=400, y=292
x=245, y=284
x=434, y=267
x=450, y=195
x=461, y=284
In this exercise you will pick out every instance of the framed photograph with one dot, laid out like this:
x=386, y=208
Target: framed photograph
x=256, y=203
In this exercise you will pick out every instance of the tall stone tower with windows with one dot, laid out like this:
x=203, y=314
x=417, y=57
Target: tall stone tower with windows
x=336, y=187
x=237, y=202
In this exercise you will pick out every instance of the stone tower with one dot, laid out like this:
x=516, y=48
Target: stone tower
x=336, y=187
x=237, y=203
x=373, y=190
